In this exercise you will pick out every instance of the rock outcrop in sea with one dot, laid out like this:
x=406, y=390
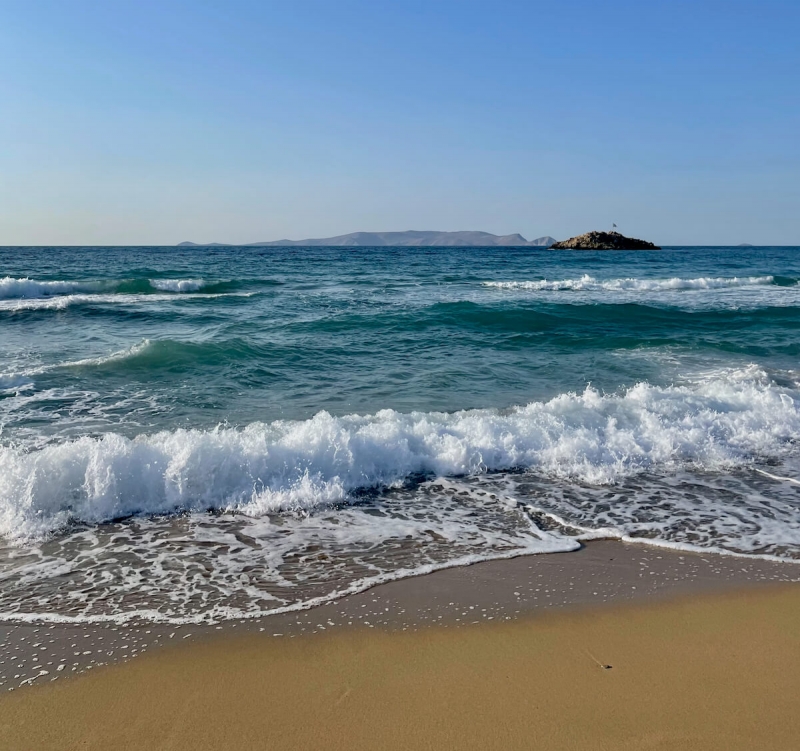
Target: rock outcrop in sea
x=603, y=241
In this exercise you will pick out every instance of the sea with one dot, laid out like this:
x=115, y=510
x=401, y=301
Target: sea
x=192, y=435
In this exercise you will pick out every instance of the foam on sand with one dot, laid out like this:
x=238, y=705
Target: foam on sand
x=684, y=674
x=293, y=514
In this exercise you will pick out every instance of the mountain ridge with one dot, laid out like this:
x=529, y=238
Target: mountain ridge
x=408, y=238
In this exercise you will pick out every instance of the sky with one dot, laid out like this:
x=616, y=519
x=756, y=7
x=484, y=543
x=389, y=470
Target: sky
x=155, y=121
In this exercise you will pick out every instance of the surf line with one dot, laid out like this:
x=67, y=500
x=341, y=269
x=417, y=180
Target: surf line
x=777, y=477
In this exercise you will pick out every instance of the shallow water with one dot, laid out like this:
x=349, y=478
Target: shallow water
x=190, y=434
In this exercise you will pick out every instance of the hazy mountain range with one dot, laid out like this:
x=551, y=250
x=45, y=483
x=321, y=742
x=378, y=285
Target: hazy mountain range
x=409, y=238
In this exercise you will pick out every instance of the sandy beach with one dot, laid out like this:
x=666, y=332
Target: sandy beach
x=708, y=659
x=374, y=379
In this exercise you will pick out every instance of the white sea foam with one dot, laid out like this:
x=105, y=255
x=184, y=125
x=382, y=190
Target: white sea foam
x=63, y=302
x=24, y=288
x=591, y=284
x=22, y=378
x=659, y=452
x=178, y=285
x=182, y=611
x=11, y=381
x=208, y=567
x=262, y=566
x=119, y=355
x=723, y=420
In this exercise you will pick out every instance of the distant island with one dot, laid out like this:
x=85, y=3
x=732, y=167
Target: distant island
x=409, y=238
x=603, y=241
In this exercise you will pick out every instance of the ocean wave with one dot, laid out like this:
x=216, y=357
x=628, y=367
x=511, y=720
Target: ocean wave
x=591, y=284
x=178, y=285
x=118, y=356
x=722, y=420
x=154, y=353
x=23, y=288
x=62, y=302
x=149, y=353
x=14, y=381
x=24, y=377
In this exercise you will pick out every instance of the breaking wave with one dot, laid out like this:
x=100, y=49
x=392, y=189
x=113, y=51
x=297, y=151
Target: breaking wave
x=718, y=421
x=24, y=288
x=31, y=289
x=178, y=285
x=590, y=283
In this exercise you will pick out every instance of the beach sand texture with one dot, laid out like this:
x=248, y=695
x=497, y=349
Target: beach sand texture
x=712, y=671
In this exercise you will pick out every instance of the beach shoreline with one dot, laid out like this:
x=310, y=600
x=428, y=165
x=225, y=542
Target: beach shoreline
x=465, y=611
x=599, y=574
x=704, y=661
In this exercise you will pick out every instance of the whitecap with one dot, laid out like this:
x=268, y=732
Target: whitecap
x=24, y=288
x=178, y=285
x=119, y=355
x=66, y=301
x=13, y=381
x=590, y=283
x=725, y=420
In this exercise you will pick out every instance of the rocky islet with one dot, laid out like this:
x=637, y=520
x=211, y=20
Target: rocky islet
x=603, y=241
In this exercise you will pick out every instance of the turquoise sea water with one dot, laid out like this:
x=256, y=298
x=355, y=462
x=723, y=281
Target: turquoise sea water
x=216, y=432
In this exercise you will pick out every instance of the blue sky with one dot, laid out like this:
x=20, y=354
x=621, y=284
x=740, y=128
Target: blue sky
x=155, y=122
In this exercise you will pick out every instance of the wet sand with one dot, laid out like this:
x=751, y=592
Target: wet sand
x=704, y=653
x=602, y=573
